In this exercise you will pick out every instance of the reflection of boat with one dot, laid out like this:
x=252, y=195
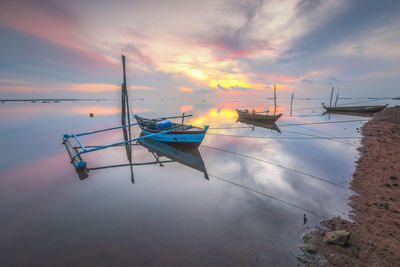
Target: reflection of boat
x=263, y=124
x=187, y=156
x=169, y=132
x=257, y=116
x=355, y=108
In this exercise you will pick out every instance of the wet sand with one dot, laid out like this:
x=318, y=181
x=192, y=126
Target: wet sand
x=375, y=239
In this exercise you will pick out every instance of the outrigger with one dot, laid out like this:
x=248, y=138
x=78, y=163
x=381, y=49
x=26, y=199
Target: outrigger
x=76, y=159
x=154, y=129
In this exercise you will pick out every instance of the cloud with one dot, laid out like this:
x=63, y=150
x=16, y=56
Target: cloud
x=205, y=91
x=135, y=54
x=185, y=89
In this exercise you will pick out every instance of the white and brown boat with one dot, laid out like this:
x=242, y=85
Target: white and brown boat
x=257, y=116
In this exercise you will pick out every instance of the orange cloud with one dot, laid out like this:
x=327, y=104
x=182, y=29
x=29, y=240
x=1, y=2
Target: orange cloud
x=139, y=87
x=101, y=110
x=93, y=87
x=185, y=89
x=186, y=108
x=22, y=89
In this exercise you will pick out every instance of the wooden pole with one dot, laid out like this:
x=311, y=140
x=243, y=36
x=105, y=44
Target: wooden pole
x=274, y=99
x=291, y=104
x=123, y=67
x=337, y=96
x=330, y=101
x=183, y=117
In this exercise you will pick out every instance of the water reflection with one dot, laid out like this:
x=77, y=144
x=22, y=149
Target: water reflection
x=187, y=156
x=252, y=124
x=355, y=114
x=171, y=216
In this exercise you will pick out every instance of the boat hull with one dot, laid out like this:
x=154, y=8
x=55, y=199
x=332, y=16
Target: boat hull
x=259, y=117
x=366, y=109
x=182, y=138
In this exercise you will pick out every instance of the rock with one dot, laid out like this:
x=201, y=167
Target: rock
x=338, y=237
x=312, y=240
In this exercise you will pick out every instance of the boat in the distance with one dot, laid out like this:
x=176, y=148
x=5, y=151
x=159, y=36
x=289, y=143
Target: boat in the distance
x=359, y=109
x=163, y=130
x=257, y=116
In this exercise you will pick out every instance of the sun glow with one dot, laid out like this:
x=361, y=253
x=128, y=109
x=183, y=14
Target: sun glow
x=215, y=117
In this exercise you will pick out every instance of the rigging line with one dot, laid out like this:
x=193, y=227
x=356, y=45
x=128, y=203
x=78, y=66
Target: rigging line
x=268, y=196
x=324, y=122
x=286, y=138
x=319, y=107
x=291, y=124
x=313, y=130
x=312, y=135
x=276, y=164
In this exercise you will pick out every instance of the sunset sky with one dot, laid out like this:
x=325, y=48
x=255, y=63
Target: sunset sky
x=217, y=48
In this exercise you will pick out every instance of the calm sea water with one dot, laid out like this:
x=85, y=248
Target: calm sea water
x=250, y=212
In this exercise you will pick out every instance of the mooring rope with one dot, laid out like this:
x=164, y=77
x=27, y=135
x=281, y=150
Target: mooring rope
x=276, y=164
x=291, y=124
x=269, y=196
x=286, y=138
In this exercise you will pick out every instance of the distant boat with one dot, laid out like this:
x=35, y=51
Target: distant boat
x=175, y=133
x=257, y=116
x=370, y=109
x=187, y=156
x=263, y=124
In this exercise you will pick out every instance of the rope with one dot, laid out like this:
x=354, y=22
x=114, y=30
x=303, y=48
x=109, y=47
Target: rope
x=291, y=124
x=276, y=164
x=286, y=138
x=268, y=196
x=312, y=135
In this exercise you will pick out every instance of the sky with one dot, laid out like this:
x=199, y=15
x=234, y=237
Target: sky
x=199, y=49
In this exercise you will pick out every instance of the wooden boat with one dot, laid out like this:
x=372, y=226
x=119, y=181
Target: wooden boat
x=175, y=133
x=187, y=156
x=263, y=124
x=257, y=116
x=355, y=108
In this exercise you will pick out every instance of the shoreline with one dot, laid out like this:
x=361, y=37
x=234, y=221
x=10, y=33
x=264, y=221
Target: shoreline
x=373, y=238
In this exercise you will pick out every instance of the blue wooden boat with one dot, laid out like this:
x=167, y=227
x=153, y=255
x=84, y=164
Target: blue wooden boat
x=173, y=133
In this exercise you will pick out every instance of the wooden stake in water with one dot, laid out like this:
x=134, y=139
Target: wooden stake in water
x=337, y=96
x=330, y=101
x=274, y=98
x=125, y=115
x=291, y=104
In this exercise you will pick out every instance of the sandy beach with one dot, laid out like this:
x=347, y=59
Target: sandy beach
x=374, y=239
